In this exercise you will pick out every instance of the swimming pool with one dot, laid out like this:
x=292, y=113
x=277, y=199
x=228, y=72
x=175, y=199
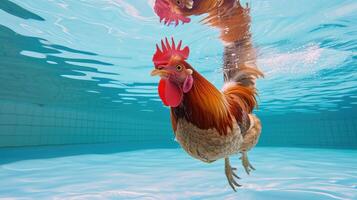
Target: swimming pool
x=282, y=173
x=80, y=117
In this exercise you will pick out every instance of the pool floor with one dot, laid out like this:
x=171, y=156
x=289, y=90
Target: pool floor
x=282, y=173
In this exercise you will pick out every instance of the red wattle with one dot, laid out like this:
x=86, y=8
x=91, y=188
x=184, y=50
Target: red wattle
x=170, y=94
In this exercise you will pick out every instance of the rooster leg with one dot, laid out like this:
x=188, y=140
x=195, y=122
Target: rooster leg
x=230, y=174
x=245, y=162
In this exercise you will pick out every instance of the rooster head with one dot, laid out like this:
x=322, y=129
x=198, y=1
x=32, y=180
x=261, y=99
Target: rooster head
x=170, y=11
x=174, y=71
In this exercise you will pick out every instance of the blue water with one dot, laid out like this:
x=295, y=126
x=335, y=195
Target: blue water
x=74, y=72
x=91, y=53
x=281, y=173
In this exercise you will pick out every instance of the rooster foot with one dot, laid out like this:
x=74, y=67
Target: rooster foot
x=245, y=162
x=230, y=174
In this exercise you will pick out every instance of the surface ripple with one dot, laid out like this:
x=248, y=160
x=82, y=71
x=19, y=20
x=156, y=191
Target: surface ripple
x=104, y=50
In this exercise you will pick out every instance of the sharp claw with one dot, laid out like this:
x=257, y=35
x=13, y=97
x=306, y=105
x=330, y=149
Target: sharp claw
x=232, y=186
x=246, y=164
x=235, y=182
x=235, y=175
x=246, y=167
x=231, y=175
x=246, y=170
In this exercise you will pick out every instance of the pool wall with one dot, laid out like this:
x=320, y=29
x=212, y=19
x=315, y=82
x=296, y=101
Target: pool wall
x=25, y=124
x=31, y=125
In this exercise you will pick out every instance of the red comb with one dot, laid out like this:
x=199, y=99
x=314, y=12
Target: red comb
x=166, y=13
x=162, y=57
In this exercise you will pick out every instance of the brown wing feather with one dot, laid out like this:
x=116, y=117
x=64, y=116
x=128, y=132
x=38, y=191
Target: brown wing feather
x=242, y=101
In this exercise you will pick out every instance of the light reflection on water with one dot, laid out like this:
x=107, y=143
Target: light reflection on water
x=282, y=173
x=99, y=52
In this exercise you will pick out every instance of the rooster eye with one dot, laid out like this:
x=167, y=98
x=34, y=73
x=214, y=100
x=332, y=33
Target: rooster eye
x=179, y=68
x=178, y=2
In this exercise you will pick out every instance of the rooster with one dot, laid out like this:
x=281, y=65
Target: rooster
x=210, y=124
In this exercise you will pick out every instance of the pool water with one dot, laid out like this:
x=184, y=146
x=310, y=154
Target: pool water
x=281, y=173
x=78, y=72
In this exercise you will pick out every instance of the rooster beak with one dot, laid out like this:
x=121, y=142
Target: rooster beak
x=160, y=72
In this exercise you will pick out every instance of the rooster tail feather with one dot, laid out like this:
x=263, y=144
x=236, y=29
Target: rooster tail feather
x=240, y=96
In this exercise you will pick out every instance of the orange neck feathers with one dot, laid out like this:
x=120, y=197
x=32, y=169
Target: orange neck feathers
x=206, y=107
